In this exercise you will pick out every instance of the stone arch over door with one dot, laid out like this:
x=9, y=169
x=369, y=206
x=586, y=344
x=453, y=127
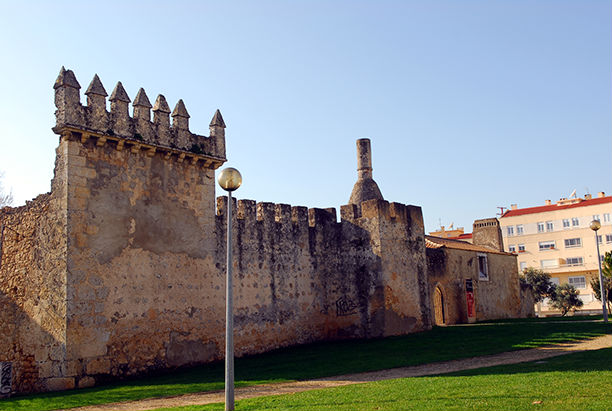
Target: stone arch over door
x=439, y=306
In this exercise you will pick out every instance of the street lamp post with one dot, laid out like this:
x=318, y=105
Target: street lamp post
x=596, y=225
x=229, y=179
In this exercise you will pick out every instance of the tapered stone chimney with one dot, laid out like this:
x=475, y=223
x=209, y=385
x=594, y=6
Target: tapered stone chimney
x=365, y=188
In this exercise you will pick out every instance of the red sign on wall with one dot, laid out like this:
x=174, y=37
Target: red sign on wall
x=469, y=297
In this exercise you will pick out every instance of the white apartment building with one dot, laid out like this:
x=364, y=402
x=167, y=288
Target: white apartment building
x=557, y=238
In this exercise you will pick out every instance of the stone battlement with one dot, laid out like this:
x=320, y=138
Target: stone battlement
x=250, y=212
x=138, y=129
x=270, y=213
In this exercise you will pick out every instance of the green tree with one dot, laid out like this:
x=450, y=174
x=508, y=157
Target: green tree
x=565, y=298
x=606, y=270
x=538, y=281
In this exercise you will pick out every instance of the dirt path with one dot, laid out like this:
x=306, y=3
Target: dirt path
x=512, y=357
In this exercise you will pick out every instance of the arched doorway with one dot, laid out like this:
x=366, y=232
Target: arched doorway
x=439, y=306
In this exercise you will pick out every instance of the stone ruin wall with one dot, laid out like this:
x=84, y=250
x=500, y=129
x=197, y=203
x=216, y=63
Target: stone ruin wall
x=128, y=267
x=140, y=259
x=396, y=234
x=146, y=268
x=33, y=296
x=301, y=276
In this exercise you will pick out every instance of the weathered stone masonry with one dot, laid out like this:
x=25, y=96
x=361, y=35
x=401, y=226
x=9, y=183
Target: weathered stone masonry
x=33, y=295
x=120, y=269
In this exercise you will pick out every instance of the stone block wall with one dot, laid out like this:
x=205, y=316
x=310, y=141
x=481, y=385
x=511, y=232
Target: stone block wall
x=33, y=296
x=396, y=236
x=142, y=253
x=141, y=273
x=146, y=266
x=301, y=276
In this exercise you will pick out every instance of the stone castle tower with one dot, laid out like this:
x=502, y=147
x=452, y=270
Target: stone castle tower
x=487, y=232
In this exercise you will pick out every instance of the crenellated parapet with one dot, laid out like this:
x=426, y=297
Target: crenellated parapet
x=270, y=214
x=137, y=131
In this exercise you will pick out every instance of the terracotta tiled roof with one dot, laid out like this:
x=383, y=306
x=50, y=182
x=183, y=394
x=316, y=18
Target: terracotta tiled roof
x=431, y=244
x=554, y=207
x=437, y=242
x=464, y=236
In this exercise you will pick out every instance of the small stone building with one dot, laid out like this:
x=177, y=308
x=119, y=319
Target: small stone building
x=473, y=282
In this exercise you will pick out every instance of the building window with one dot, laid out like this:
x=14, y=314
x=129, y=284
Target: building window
x=599, y=239
x=606, y=217
x=571, y=261
x=549, y=226
x=483, y=268
x=546, y=245
x=608, y=238
x=510, y=231
x=602, y=258
x=512, y=248
x=566, y=223
x=521, y=248
x=554, y=280
x=523, y=265
x=573, y=242
x=519, y=229
x=596, y=217
x=549, y=263
x=540, y=227
x=575, y=222
x=578, y=281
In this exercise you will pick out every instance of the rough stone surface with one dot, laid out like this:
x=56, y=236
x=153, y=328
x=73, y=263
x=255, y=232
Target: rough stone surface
x=33, y=291
x=86, y=382
x=59, y=384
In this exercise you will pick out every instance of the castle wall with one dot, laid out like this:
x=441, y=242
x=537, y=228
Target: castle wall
x=397, y=238
x=146, y=264
x=302, y=277
x=120, y=270
x=141, y=261
x=33, y=296
x=298, y=277
x=146, y=267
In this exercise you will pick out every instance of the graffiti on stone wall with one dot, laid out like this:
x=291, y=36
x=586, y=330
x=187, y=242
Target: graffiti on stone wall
x=6, y=371
x=345, y=306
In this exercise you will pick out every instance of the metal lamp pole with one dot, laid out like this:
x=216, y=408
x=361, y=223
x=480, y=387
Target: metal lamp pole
x=229, y=179
x=596, y=225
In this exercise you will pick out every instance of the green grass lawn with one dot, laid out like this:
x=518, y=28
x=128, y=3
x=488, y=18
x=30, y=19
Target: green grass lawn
x=319, y=360
x=572, y=382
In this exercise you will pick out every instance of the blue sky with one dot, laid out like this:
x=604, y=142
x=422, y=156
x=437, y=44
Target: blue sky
x=470, y=105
